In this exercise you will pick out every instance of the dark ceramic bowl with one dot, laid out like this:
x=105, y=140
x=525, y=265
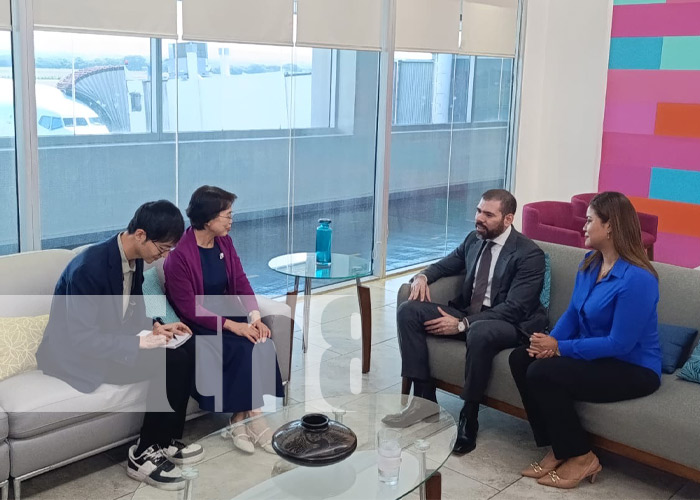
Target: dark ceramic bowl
x=314, y=441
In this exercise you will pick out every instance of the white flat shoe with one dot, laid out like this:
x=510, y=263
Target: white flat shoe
x=241, y=439
x=264, y=439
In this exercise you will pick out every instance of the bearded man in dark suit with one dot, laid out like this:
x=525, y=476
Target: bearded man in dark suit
x=498, y=308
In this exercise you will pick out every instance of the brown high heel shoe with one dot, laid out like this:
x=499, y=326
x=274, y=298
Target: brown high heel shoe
x=590, y=471
x=540, y=469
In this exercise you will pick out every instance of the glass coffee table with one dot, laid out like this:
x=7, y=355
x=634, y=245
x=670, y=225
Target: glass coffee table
x=342, y=266
x=228, y=473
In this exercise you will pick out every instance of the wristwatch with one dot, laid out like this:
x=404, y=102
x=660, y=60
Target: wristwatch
x=462, y=325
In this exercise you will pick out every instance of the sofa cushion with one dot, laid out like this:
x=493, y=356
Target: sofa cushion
x=4, y=424
x=691, y=368
x=19, y=340
x=37, y=403
x=4, y=461
x=31, y=273
x=157, y=306
x=547, y=285
x=664, y=423
x=675, y=342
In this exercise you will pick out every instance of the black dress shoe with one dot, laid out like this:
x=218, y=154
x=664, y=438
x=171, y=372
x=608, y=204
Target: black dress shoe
x=467, y=429
x=416, y=411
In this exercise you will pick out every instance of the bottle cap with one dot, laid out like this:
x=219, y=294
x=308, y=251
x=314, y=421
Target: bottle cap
x=324, y=221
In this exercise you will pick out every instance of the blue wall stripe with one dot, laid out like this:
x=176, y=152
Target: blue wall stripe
x=635, y=52
x=675, y=185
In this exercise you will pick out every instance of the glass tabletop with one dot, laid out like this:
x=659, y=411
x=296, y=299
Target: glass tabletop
x=303, y=265
x=228, y=473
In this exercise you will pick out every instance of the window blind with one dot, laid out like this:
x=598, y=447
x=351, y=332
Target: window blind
x=152, y=18
x=267, y=22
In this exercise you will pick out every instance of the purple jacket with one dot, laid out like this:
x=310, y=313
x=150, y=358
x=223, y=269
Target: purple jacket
x=184, y=284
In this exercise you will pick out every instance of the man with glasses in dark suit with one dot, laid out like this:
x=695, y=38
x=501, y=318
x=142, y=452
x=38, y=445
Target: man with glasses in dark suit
x=497, y=308
x=91, y=338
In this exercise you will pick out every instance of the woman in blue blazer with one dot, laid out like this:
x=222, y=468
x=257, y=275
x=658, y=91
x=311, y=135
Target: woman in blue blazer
x=604, y=348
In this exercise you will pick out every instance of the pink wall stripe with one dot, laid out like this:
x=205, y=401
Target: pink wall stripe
x=631, y=180
x=681, y=1
x=681, y=19
x=677, y=249
x=658, y=86
x=658, y=151
x=630, y=117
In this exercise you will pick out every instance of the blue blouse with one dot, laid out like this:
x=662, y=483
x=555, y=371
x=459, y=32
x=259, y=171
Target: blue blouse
x=614, y=318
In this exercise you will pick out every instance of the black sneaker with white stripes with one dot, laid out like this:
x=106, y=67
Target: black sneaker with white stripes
x=153, y=467
x=181, y=454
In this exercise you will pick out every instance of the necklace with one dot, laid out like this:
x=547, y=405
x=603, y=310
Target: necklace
x=605, y=272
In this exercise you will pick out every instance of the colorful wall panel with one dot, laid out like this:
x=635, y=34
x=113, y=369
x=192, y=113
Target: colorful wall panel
x=651, y=133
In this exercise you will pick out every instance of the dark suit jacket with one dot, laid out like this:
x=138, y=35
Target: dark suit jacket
x=86, y=334
x=516, y=284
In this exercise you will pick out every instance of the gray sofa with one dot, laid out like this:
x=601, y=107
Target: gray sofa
x=661, y=430
x=44, y=422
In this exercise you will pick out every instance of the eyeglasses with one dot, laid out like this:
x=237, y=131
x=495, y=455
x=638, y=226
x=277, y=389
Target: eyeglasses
x=161, y=251
x=229, y=216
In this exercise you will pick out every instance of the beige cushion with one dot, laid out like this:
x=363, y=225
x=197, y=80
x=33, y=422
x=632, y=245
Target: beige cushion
x=19, y=340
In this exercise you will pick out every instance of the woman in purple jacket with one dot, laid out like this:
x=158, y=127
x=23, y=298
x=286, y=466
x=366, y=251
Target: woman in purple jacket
x=207, y=287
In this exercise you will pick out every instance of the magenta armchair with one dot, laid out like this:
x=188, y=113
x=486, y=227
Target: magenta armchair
x=648, y=222
x=552, y=221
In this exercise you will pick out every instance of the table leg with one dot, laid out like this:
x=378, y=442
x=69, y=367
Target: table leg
x=363, y=297
x=307, y=309
x=433, y=487
x=292, y=300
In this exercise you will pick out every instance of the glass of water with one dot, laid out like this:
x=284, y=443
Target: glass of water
x=388, y=455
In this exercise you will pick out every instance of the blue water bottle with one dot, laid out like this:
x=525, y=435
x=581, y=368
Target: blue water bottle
x=324, y=234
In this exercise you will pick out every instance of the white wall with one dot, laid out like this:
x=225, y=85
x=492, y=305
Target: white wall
x=565, y=65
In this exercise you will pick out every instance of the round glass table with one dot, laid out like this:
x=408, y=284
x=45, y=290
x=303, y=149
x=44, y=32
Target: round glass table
x=228, y=473
x=342, y=266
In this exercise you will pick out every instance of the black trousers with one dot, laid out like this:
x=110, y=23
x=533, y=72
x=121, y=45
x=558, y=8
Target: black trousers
x=171, y=375
x=549, y=388
x=484, y=340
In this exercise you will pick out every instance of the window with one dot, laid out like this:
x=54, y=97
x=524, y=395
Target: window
x=492, y=89
x=79, y=122
x=245, y=87
x=285, y=177
x=9, y=241
x=95, y=168
x=291, y=130
x=431, y=89
x=92, y=81
x=439, y=173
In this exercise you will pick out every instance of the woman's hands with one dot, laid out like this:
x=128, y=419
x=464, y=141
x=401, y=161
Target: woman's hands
x=256, y=332
x=543, y=346
x=262, y=329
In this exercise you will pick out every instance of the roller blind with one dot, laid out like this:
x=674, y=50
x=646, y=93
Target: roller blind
x=339, y=24
x=489, y=27
x=427, y=25
x=267, y=22
x=5, y=19
x=152, y=18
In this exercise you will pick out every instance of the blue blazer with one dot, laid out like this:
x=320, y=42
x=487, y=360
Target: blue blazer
x=614, y=318
x=87, y=332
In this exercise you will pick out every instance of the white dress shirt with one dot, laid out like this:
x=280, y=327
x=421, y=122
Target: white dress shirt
x=128, y=269
x=496, y=248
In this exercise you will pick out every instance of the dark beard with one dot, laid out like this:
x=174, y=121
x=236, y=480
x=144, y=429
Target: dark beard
x=490, y=235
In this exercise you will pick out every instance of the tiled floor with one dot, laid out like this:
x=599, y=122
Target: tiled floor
x=331, y=367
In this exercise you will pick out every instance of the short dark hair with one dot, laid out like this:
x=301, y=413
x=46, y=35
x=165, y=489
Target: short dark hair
x=206, y=203
x=508, y=203
x=161, y=220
